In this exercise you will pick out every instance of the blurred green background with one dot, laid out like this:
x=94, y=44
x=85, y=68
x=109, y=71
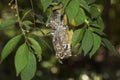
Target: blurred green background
x=103, y=66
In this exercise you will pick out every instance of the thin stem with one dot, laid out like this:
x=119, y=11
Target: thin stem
x=25, y=15
x=33, y=12
x=19, y=19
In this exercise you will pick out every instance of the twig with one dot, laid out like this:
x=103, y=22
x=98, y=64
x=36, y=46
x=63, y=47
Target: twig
x=19, y=19
x=33, y=12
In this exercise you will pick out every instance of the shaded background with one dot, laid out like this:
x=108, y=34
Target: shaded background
x=103, y=66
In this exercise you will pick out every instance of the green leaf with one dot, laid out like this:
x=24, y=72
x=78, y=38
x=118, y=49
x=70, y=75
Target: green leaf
x=96, y=44
x=109, y=46
x=27, y=23
x=100, y=22
x=87, y=41
x=40, y=22
x=44, y=44
x=36, y=47
x=84, y=5
x=98, y=31
x=29, y=71
x=7, y=23
x=21, y=58
x=72, y=9
x=94, y=11
x=80, y=17
x=45, y=4
x=95, y=25
x=77, y=36
x=11, y=44
x=90, y=1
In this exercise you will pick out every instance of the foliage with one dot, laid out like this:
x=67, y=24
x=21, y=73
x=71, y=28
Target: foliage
x=82, y=15
x=9, y=47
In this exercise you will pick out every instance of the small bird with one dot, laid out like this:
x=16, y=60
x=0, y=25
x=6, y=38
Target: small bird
x=60, y=36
